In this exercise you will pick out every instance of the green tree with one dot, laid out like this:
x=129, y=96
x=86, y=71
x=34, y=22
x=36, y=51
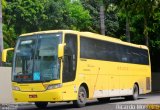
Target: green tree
x=3, y=4
x=126, y=9
x=93, y=7
x=8, y=33
x=111, y=19
x=24, y=15
x=66, y=15
x=146, y=8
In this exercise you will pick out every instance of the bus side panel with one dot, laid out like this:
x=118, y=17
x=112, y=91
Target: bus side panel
x=87, y=73
x=131, y=74
x=109, y=79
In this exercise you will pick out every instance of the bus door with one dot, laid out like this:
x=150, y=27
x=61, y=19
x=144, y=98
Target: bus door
x=69, y=65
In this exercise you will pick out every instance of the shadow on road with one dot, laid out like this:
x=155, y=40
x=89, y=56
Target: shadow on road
x=70, y=106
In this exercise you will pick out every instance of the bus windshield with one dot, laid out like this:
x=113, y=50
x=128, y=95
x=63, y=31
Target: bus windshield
x=36, y=58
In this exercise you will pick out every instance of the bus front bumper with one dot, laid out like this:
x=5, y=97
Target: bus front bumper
x=49, y=96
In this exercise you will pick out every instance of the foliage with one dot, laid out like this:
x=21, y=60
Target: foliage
x=111, y=19
x=141, y=18
x=66, y=15
x=3, y=4
x=25, y=15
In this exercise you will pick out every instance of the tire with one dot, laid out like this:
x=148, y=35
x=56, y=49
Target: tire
x=135, y=93
x=82, y=98
x=104, y=100
x=41, y=104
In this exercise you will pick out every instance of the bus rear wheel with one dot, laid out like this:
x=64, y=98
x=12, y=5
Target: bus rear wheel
x=41, y=104
x=82, y=98
x=135, y=93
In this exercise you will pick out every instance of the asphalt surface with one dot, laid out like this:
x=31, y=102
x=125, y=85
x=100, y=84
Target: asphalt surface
x=152, y=100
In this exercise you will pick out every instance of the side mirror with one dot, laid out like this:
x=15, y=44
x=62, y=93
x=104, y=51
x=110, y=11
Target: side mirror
x=61, y=50
x=4, y=54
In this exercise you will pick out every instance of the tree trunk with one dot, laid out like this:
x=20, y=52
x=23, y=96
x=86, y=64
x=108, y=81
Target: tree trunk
x=145, y=32
x=127, y=24
x=102, y=19
x=1, y=37
x=127, y=30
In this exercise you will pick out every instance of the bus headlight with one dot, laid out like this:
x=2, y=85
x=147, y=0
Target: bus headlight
x=15, y=88
x=54, y=86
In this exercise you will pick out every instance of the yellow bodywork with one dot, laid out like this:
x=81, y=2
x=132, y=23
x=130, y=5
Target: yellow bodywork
x=4, y=54
x=61, y=50
x=60, y=94
x=103, y=78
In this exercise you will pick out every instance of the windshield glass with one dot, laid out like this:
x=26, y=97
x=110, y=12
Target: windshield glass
x=36, y=58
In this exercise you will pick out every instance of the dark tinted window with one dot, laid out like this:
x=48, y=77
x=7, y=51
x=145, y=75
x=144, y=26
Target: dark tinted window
x=70, y=58
x=104, y=50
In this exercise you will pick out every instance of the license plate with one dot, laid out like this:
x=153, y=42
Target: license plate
x=33, y=96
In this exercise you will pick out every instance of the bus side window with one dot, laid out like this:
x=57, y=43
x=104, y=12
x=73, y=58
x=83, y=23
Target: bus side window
x=70, y=58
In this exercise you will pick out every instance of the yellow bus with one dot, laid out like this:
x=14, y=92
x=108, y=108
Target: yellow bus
x=66, y=65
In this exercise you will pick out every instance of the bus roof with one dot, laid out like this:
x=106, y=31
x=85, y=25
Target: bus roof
x=49, y=31
x=89, y=35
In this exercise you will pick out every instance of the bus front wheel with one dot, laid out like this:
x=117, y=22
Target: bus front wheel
x=82, y=97
x=41, y=104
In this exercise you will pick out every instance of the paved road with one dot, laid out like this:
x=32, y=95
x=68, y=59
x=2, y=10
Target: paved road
x=114, y=104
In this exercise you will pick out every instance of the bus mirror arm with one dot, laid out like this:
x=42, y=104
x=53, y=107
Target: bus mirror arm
x=61, y=50
x=4, y=54
x=61, y=58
